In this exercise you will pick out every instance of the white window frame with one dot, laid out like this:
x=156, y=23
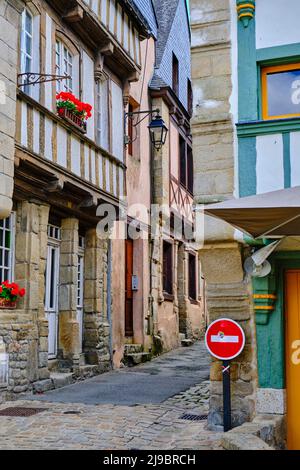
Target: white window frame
x=64, y=65
x=27, y=37
x=11, y=250
x=54, y=240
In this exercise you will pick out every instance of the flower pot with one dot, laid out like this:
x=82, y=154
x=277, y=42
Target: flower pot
x=7, y=304
x=72, y=119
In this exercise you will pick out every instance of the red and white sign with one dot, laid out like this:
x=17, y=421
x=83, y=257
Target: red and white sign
x=225, y=339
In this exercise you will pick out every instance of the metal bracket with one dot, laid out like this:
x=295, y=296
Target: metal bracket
x=35, y=78
x=148, y=112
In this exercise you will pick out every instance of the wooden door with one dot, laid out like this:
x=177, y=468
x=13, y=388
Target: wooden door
x=292, y=314
x=128, y=288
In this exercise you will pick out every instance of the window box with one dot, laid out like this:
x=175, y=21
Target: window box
x=72, y=119
x=7, y=304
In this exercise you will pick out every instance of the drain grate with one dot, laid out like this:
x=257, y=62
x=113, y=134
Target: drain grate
x=190, y=417
x=21, y=411
x=71, y=412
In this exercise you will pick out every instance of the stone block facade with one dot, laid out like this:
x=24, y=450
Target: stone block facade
x=228, y=293
x=24, y=332
x=9, y=36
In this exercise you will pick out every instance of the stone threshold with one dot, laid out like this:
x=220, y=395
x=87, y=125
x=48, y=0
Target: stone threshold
x=265, y=432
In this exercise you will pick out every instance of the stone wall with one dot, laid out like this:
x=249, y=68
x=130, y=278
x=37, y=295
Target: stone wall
x=96, y=325
x=9, y=28
x=228, y=293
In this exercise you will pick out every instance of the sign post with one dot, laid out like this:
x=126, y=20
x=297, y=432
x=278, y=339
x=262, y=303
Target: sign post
x=225, y=340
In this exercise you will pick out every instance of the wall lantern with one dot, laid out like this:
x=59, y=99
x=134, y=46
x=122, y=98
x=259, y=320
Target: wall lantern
x=157, y=128
x=158, y=132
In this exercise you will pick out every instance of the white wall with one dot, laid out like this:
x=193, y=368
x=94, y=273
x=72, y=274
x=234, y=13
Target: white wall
x=277, y=22
x=117, y=121
x=269, y=163
x=88, y=94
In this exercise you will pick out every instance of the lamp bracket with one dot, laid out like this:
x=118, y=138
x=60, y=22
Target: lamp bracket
x=131, y=115
x=35, y=78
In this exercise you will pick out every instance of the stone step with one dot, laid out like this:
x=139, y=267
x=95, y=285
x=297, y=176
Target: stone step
x=42, y=386
x=186, y=342
x=61, y=379
x=87, y=371
x=133, y=348
x=134, y=359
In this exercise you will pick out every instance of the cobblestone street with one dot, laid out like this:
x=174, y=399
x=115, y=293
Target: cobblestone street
x=109, y=426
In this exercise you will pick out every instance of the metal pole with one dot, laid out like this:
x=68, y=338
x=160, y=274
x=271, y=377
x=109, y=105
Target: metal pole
x=226, y=396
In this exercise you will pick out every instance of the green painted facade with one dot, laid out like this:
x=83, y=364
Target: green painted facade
x=270, y=327
x=269, y=291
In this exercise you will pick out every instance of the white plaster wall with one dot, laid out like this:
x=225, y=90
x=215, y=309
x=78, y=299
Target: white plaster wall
x=36, y=131
x=88, y=91
x=24, y=124
x=269, y=163
x=75, y=152
x=121, y=181
x=112, y=13
x=94, y=6
x=117, y=121
x=48, y=138
x=295, y=158
x=277, y=22
x=62, y=146
x=93, y=167
x=86, y=162
x=100, y=170
x=107, y=172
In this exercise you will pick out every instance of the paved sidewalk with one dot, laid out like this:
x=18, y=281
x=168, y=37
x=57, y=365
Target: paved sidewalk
x=152, y=382
x=156, y=424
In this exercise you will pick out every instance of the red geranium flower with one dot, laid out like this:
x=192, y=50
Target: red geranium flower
x=22, y=292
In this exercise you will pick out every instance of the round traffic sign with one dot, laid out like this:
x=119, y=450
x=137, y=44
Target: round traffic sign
x=225, y=339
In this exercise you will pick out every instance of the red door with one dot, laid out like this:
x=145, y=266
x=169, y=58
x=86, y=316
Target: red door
x=128, y=288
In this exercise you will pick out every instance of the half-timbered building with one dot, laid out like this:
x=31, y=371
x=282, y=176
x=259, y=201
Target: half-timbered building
x=65, y=169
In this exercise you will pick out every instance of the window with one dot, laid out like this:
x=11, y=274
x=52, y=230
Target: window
x=63, y=66
x=281, y=91
x=190, y=169
x=175, y=74
x=190, y=97
x=182, y=157
x=102, y=117
x=27, y=44
x=192, y=277
x=167, y=268
x=6, y=248
x=186, y=165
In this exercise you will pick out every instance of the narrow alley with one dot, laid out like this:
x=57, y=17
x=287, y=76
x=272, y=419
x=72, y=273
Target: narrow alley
x=136, y=408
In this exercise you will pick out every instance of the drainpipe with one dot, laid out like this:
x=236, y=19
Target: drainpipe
x=109, y=313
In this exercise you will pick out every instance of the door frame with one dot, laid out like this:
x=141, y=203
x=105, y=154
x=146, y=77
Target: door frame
x=128, y=334
x=80, y=291
x=53, y=243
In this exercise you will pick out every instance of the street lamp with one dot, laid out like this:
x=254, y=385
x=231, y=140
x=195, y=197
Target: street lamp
x=158, y=132
x=157, y=127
